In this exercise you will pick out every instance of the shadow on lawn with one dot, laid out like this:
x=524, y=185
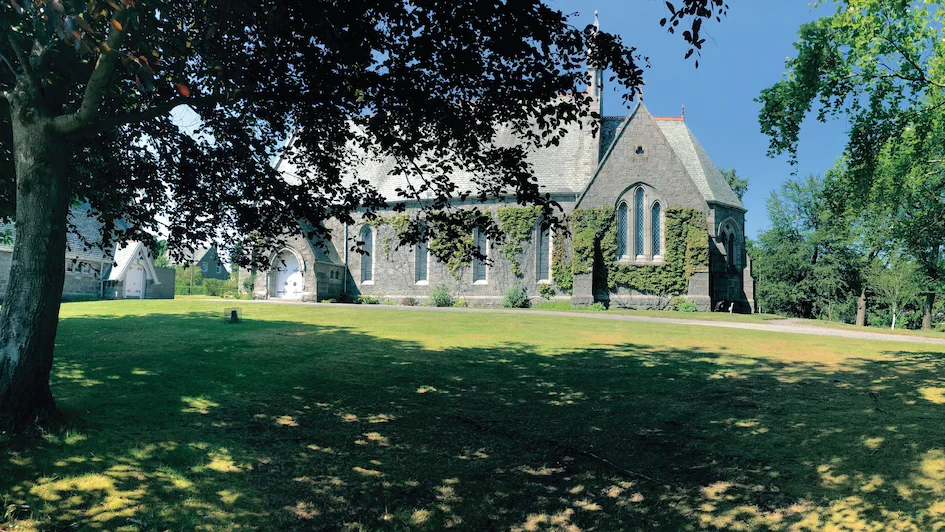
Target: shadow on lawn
x=281, y=425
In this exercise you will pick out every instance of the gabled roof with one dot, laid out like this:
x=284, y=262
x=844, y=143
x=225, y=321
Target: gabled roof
x=190, y=257
x=707, y=178
x=83, y=242
x=124, y=256
x=564, y=168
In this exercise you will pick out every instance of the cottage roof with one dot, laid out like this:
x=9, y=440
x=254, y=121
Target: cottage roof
x=126, y=255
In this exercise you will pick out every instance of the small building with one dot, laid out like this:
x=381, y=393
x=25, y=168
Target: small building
x=207, y=259
x=134, y=276
x=90, y=268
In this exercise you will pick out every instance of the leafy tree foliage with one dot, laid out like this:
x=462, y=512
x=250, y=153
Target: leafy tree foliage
x=880, y=65
x=897, y=282
x=806, y=264
x=89, y=86
x=739, y=184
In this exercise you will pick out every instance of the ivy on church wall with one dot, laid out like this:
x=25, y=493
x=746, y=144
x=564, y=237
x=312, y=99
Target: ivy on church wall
x=517, y=224
x=687, y=251
x=561, y=263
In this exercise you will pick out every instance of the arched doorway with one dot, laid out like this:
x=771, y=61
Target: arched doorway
x=288, y=277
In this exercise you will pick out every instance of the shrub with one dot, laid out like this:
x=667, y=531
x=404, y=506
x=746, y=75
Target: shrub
x=329, y=300
x=460, y=303
x=546, y=291
x=516, y=297
x=213, y=287
x=366, y=300
x=440, y=296
x=409, y=302
x=249, y=283
x=598, y=306
x=389, y=302
x=681, y=304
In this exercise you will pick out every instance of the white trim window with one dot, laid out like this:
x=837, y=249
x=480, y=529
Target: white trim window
x=367, y=259
x=480, y=271
x=639, y=240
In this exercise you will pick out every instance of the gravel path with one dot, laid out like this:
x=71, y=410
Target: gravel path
x=788, y=326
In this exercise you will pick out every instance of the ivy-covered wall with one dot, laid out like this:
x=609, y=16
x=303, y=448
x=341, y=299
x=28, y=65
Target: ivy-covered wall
x=518, y=225
x=594, y=235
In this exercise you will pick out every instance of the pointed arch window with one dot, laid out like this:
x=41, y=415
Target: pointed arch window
x=622, y=232
x=731, y=249
x=544, y=252
x=367, y=259
x=657, y=229
x=479, y=265
x=638, y=229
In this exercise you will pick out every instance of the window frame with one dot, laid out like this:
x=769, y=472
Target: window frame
x=481, y=263
x=543, y=240
x=367, y=231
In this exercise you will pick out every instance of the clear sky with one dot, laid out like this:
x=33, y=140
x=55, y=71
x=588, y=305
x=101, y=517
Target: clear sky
x=743, y=54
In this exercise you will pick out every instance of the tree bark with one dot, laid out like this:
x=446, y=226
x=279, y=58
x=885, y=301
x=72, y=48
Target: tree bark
x=861, y=309
x=30, y=313
x=927, y=311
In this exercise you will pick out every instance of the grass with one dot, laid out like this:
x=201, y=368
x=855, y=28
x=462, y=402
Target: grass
x=565, y=306
x=336, y=417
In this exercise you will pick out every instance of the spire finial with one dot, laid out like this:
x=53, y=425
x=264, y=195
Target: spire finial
x=596, y=21
x=684, y=111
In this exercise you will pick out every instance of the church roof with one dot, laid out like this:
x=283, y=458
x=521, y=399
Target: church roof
x=124, y=256
x=84, y=241
x=564, y=168
x=703, y=172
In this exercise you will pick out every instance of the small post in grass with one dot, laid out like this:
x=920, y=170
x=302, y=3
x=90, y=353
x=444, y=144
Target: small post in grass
x=233, y=315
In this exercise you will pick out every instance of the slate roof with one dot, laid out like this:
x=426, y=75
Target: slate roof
x=707, y=178
x=565, y=168
x=84, y=241
x=125, y=255
x=190, y=257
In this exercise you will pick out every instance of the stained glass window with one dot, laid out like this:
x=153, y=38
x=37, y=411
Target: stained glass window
x=638, y=207
x=622, y=232
x=657, y=230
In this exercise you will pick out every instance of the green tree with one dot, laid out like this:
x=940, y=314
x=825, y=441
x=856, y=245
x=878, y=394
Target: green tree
x=89, y=86
x=739, y=184
x=879, y=65
x=805, y=263
x=897, y=282
x=160, y=255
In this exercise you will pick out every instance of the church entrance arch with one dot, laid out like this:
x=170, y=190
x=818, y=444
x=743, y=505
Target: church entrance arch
x=288, y=276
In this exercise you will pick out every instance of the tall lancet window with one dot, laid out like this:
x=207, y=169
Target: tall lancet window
x=657, y=230
x=544, y=252
x=479, y=265
x=622, y=233
x=367, y=259
x=638, y=230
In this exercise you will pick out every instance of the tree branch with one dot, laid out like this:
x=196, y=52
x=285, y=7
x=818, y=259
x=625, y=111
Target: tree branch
x=24, y=62
x=152, y=112
x=98, y=81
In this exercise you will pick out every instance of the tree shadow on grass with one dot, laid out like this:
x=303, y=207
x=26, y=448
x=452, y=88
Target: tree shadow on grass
x=188, y=422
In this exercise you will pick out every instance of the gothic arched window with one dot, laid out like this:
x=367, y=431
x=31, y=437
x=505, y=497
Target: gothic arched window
x=656, y=223
x=622, y=233
x=731, y=249
x=367, y=259
x=638, y=229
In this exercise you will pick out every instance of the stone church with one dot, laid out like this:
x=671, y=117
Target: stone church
x=641, y=174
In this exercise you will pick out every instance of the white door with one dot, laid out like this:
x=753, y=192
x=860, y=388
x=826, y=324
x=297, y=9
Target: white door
x=288, y=280
x=134, y=281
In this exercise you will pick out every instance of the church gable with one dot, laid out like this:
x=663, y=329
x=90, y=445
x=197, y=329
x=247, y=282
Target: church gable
x=641, y=155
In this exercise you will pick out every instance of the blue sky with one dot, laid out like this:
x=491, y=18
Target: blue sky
x=742, y=55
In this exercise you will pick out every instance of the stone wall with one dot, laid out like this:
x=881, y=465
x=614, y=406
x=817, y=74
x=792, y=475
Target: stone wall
x=165, y=290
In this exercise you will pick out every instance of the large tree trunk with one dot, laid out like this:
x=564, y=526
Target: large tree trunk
x=927, y=311
x=861, y=309
x=30, y=310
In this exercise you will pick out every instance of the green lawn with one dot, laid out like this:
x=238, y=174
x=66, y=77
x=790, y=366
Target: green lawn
x=330, y=417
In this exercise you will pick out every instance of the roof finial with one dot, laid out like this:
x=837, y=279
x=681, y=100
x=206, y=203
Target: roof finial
x=596, y=21
x=684, y=111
